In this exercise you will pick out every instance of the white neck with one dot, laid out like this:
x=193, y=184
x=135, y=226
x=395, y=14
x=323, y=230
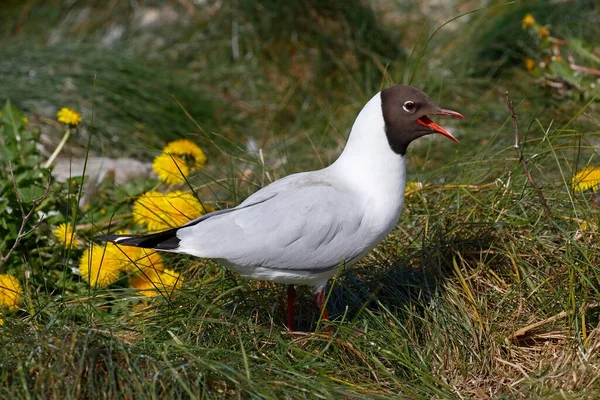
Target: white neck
x=368, y=162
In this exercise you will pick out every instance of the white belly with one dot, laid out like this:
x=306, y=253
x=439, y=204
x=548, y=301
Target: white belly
x=289, y=277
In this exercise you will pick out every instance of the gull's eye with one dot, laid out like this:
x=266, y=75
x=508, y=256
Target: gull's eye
x=409, y=107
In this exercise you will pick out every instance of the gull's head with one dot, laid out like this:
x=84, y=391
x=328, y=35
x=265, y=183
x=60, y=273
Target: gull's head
x=406, y=112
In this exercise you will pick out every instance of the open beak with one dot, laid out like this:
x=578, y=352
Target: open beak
x=426, y=121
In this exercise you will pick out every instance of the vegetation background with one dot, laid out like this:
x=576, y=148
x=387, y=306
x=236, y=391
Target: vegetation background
x=488, y=288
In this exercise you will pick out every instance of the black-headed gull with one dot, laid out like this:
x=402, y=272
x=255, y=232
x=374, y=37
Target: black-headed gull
x=300, y=229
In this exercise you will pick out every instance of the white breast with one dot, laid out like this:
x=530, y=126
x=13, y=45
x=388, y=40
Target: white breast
x=372, y=170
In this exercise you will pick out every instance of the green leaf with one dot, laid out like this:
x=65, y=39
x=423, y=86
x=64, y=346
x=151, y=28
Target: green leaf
x=6, y=154
x=12, y=119
x=31, y=193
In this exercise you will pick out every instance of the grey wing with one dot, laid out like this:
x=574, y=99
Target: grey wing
x=258, y=197
x=305, y=227
x=227, y=211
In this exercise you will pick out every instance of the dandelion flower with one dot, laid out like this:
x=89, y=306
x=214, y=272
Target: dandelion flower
x=164, y=211
x=153, y=283
x=544, y=32
x=10, y=292
x=100, y=266
x=185, y=148
x=184, y=207
x=25, y=120
x=68, y=116
x=178, y=160
x=528, y=21
x=529, y=64
x=65, y=235
x=412, y=187
x=170, y=168
x=136, y=259
x=147, y=210
x=586, y=178
x=585, y=227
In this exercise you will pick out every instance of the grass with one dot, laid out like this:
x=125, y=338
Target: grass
x=476, y=294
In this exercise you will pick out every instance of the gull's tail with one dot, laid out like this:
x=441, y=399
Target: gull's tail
x=166, y=241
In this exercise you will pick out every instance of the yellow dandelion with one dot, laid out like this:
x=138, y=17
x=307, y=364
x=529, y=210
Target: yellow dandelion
x=186, y=149
x=147, y=210
x=412, y=187
x=171, y=169
x=10, y=292
x=161, y=211
x=584, y=226
x=529, y=64
x=132, y=259
x=135, y=259
x=25, y=120
x=543, y=32
x=528, y=21
x=586, y=178
x=100, y=266
x=183, y=207
x=68, y=116
x=153, y=283
x=66, y=236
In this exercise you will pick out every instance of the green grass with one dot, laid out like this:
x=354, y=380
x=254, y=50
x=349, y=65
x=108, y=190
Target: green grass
x=444, y=308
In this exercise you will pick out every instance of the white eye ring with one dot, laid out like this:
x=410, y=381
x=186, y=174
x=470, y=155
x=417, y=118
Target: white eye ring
x=409, y=106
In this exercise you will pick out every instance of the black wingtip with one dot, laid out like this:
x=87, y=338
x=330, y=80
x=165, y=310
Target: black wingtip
x=166, y=240
x=107, y=238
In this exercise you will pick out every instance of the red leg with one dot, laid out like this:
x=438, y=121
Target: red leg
x=291, y=295
x=321, y=303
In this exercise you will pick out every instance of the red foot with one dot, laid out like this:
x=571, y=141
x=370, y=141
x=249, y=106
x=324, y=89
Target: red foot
x=321, y=303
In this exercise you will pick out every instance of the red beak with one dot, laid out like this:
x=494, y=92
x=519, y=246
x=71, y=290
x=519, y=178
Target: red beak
x=426, y=121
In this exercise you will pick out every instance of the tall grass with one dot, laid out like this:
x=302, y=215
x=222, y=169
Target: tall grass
x=476, y=294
